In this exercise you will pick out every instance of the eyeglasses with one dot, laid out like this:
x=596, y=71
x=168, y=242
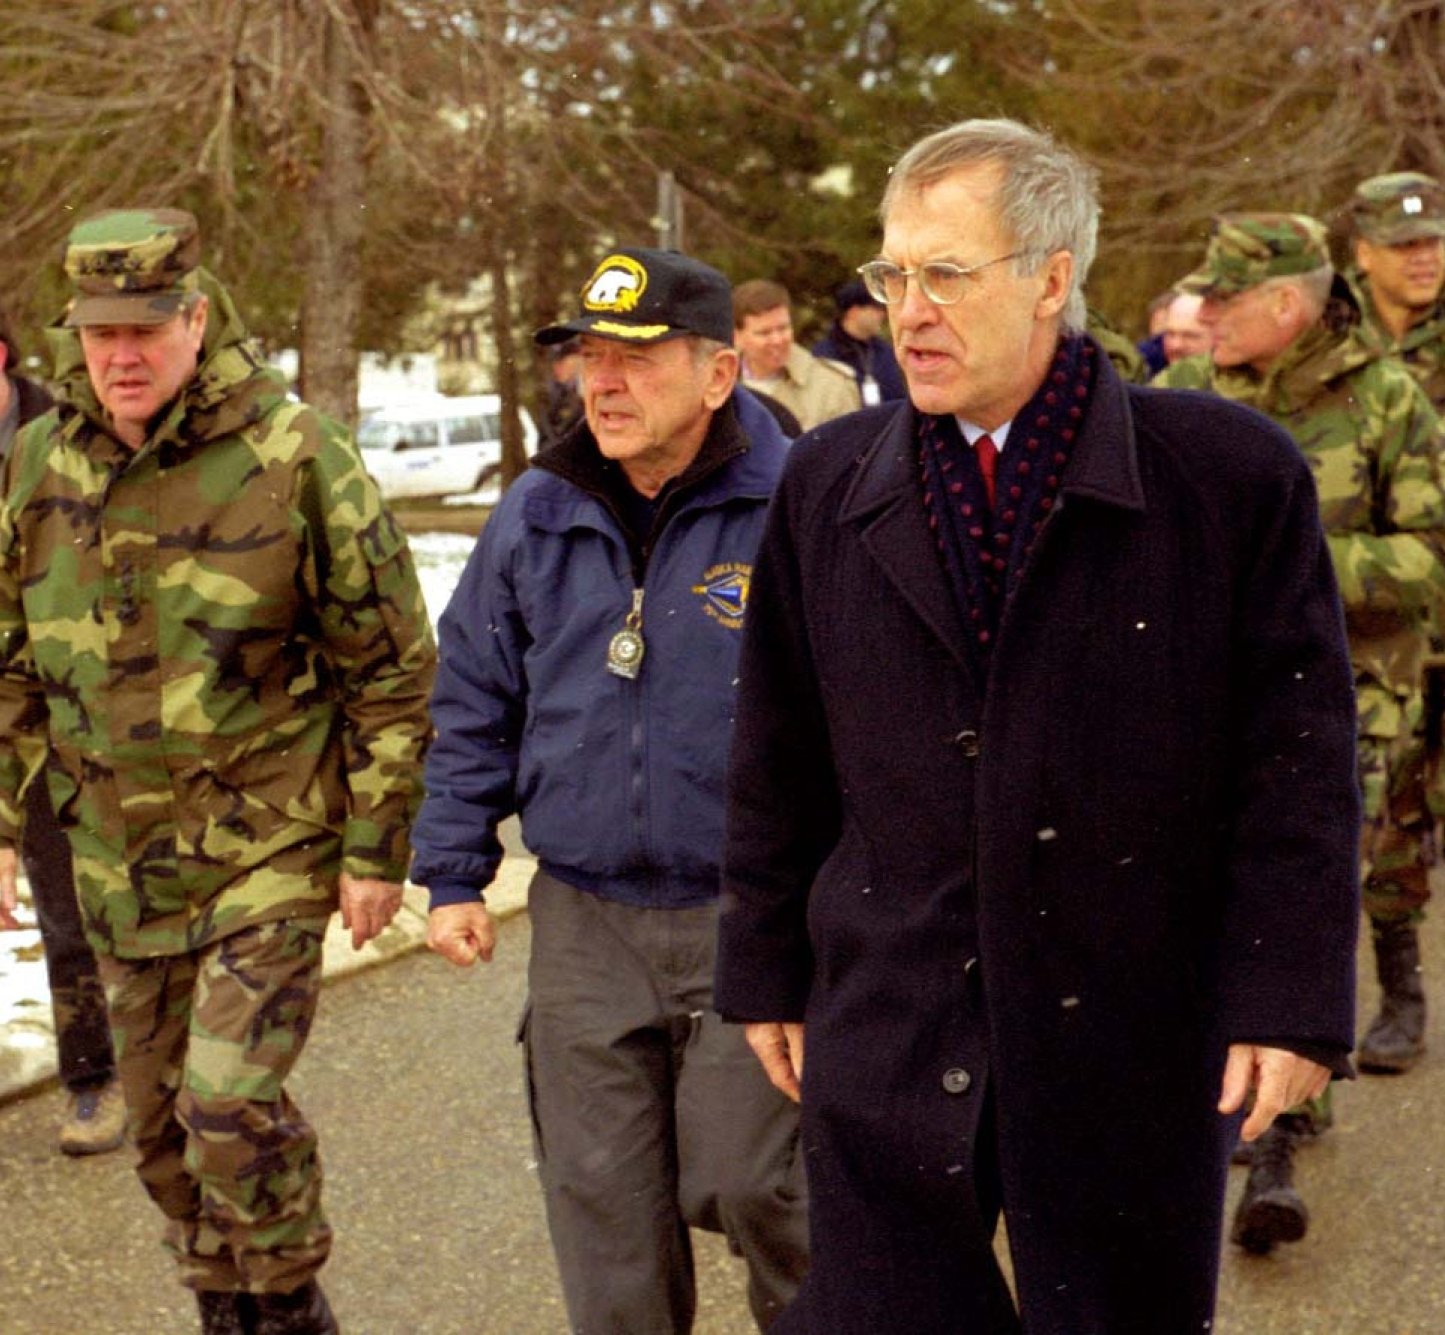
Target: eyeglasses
x=941, y=282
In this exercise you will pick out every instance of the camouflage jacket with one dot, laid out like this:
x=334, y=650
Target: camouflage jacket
x=223, y=637
x=1373, y=442
x=1422, y=349
x=1128, y=360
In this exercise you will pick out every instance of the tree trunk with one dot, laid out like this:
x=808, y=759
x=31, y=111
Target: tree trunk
x=334, y=218
x=497, y=166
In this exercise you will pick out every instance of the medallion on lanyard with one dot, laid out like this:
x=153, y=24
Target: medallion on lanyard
x=624, y=653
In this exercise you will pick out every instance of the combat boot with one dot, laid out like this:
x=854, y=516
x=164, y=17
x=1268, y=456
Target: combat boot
x=1271, y=1210
x=94, y=1121
x=226, y=1313
x=1395, y=1039
x=303, y=1311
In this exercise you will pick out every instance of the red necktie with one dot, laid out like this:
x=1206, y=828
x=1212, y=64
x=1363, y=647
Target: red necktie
x=987, y=453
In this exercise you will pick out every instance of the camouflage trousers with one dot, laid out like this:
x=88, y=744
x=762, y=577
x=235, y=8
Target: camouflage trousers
x=1395, y=853
x=1395, y=782
x=204, y=1043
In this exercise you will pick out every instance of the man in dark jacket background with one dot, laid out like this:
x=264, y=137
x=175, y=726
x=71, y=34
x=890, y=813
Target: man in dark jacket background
x=95, y=1107
x=856, y=339
x=1043, y=804
x=603, y=717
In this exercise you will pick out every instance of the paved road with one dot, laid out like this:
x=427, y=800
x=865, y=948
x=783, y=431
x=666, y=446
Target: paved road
x=413, y=1079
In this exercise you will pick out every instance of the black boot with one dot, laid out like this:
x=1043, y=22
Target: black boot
x=303, y=1311
x=1271, y=1210
x=226, y=1313
x=1396, y=1037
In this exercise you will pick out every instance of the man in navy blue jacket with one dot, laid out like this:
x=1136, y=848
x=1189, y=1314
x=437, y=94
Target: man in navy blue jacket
x=588, y=668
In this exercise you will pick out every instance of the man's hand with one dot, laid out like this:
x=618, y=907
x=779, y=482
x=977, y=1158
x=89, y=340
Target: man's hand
x=9, y=894
x=1280, y=1080
x=462, y=933
x=367, y=905
x=780, y=1049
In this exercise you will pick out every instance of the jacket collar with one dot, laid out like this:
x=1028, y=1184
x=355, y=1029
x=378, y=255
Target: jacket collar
x=233, y=387
x=727, y=458
x=884, y=498
x=1105, y=466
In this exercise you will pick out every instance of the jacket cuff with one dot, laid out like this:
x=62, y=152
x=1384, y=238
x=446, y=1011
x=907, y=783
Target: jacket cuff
x=1333, y=1056
x=443, y=893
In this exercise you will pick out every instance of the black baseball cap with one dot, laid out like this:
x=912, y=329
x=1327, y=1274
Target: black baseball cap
x=647, y=296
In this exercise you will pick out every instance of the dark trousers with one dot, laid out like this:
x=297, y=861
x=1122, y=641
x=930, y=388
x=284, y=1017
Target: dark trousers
x=651, y=1115
x=77, y=997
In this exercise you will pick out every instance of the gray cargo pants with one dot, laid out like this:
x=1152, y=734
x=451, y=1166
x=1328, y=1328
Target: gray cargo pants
x=650, y=1114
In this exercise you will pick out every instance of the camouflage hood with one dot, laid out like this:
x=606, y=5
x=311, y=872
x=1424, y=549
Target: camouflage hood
x=232, y=388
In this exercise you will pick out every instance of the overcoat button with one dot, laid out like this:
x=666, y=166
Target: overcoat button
x=967, y=742
x=956, y=1080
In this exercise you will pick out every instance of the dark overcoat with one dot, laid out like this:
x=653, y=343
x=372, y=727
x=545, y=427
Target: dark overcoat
x=1033, y=912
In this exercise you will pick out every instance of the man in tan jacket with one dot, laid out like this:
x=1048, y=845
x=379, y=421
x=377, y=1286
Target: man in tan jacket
x=813, y=389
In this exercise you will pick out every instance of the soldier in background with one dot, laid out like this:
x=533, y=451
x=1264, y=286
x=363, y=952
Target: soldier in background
x=1398, y=225
x=1398, y=242
x=1284, y=343
x=208, y=612
x=95, y=1110
x=813, y=389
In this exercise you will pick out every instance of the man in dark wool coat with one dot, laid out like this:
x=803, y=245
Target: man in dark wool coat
x=1043, y=804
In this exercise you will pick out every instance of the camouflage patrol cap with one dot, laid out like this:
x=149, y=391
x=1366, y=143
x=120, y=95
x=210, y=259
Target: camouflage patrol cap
x=1399, y=206
x=1246, y=249
x=130, y=266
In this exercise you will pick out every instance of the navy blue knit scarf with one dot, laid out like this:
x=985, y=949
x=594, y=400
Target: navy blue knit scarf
x=984, y=551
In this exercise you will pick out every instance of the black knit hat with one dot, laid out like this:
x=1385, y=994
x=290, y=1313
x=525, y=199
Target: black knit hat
x=854, y=293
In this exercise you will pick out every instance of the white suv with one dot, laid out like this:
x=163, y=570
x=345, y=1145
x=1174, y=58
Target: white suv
x=438, y=447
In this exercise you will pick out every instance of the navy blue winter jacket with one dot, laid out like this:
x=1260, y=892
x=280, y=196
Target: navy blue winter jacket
x=619, y=782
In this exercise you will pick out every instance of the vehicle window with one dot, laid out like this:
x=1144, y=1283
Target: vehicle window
x=420, y=436
x=464, y=430
x=375, y=434
x=474, y=429
x=384, y=435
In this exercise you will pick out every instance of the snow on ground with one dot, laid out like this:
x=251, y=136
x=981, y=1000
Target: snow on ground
x=24, y=992
x=439, y=560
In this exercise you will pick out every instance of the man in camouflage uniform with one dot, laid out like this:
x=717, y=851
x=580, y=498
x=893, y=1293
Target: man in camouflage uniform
x=1398, y=225
x=205, y=607
x=1398, y=238
x=1285, y=344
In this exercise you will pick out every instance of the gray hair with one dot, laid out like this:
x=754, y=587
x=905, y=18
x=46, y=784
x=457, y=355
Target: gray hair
x=1048, y=200
x=1314, y=287
x=704, y=348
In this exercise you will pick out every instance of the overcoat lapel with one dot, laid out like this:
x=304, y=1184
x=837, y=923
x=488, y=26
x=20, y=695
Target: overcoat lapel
x=884, y=503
